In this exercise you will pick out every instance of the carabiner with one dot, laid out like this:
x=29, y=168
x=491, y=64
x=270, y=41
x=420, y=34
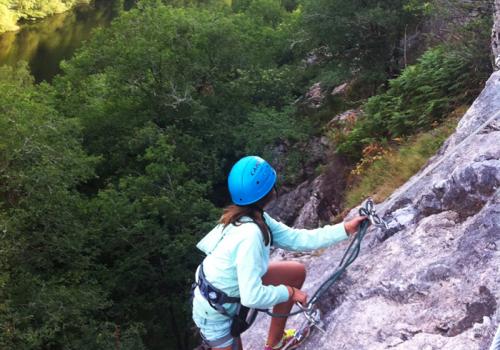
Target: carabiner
x=369, y=211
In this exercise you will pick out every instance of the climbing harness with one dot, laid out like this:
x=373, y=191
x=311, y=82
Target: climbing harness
x=244, y=316
x=240, y=322
x=214, y=296
x=310, y=311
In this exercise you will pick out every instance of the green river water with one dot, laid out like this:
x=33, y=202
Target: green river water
x=45, y=43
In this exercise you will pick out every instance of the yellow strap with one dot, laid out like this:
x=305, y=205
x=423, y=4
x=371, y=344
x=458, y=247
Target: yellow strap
x=289, y=333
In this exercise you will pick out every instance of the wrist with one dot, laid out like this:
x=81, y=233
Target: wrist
x=347, y=228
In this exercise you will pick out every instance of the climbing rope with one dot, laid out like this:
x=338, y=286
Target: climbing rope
x=351, y=253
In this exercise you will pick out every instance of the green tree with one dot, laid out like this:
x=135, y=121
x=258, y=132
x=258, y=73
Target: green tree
x=48, y=292
x=91, y=272
x=147, y=227
x=364, y=38
x=166, y=97
x=186, y=70
x=422, y=96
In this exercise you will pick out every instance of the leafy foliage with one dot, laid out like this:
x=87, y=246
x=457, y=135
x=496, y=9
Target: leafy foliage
x=47, y=289
x=420, y=97
x=363, y=37
x=206, y=73
x=89, y=272
x=147, y=228
x=389, y=168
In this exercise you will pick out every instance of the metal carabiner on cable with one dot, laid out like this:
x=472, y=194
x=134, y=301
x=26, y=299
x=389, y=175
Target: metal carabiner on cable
x=369, y=211
x=305, y=309
x=313, y=317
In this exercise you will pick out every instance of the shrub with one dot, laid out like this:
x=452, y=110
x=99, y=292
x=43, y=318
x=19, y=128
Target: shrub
x=444, y=77
x=390, y=168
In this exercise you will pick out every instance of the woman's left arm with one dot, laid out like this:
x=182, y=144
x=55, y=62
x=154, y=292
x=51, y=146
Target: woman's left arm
x=302, y=239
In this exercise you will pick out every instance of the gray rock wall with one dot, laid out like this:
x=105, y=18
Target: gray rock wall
x=432, y=280
x=495, y=35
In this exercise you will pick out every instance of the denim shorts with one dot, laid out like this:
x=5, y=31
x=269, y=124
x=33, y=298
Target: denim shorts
x=214, y=330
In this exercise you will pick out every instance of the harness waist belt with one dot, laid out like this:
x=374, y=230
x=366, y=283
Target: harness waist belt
x=214, y=295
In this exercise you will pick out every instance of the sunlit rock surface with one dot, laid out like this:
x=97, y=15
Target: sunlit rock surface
x=432, y=280
x=495, y=35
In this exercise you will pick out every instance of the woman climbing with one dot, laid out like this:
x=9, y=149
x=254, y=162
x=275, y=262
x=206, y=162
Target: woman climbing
x=236, y=274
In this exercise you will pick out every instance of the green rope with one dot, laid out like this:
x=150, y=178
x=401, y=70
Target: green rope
x=348, y=258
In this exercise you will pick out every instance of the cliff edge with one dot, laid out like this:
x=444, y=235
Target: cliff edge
x=432, y=280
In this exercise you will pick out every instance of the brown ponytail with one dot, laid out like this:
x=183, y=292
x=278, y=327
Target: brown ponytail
x=232, y=214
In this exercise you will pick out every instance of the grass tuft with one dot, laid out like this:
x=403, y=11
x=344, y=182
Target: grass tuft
x=394, y=166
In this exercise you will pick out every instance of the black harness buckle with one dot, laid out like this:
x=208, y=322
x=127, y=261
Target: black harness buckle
x=211, y=293
x=244, y=316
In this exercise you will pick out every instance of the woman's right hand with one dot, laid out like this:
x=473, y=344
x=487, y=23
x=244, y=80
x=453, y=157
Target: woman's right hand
x=296, y=295
x=351, y=226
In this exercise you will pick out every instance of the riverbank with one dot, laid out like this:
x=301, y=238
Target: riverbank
x=43, y=44
x=12, y=14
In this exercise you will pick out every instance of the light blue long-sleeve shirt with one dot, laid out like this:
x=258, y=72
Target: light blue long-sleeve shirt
x=237, y=258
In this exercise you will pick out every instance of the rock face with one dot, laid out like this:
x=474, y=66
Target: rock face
x=495, y=36
x=312, y=202
x=314, y=97
x=432, y=280
x=313, y=152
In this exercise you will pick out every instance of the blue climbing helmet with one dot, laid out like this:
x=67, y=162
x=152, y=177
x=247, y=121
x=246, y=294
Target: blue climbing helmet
x=250, y=180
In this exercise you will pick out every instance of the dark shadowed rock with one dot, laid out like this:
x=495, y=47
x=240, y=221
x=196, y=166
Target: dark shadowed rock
x=314, y=97
x=314, y=201
x=340, y=89
x=314, y=152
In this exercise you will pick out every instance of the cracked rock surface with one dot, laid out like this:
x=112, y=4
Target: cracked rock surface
x=432, y=280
